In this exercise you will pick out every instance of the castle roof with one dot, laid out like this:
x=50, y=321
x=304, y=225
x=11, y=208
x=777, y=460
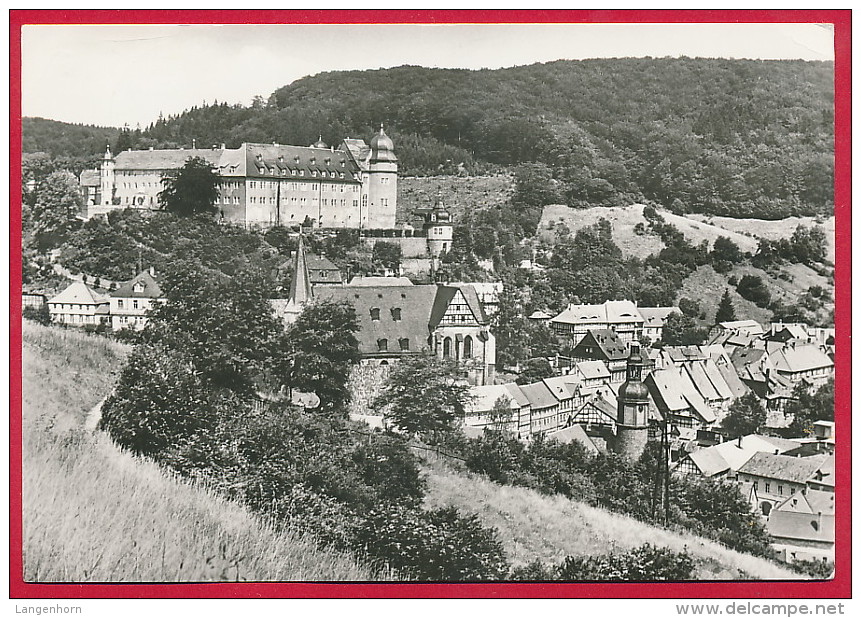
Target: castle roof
x=278, y=160
x=158, y=160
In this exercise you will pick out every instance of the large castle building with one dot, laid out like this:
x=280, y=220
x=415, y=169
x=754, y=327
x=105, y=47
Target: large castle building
x=262, y=185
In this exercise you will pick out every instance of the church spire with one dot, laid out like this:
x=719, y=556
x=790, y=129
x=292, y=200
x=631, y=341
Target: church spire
x=300, y=288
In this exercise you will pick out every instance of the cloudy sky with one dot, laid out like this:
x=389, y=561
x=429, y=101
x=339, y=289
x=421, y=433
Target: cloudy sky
x=116, y=75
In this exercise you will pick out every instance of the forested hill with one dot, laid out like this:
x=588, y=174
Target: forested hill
x=63, y=139
x=726, y=137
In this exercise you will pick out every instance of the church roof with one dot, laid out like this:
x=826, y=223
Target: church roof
x=300, y=286
x=414, y=301
x=362, y=281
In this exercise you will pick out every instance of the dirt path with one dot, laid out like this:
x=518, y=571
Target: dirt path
x=93, y=416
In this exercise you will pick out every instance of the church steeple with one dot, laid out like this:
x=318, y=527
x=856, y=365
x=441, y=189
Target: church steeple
x=300, y=288
x=632, y=420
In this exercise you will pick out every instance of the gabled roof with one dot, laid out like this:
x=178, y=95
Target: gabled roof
x=733, y=454
x=607, y=342
x=673, y=388
x=539, y=395
x=415, y=302
x=151, y=288
x=796, y=518
x=751, y=327
x=611, y=312
x=574, y=433
x=446, y=294
x=90, y=178
x=485, y=397
x=163, y=160
x=279, y=160
x=782, y=467
x=361, y=281
x=592, y=370
x=656, y=316
x=79, y=293
x=794, y=358
x=517, y=394
x=562, y=387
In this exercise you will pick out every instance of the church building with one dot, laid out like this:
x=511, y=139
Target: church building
x=262, y=185
x=402, y=320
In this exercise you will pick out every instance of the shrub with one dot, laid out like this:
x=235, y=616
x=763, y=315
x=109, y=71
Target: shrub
x=644, y=563
x=386, y=464
x=39, y=314
x=753, y=289
x=432, y=545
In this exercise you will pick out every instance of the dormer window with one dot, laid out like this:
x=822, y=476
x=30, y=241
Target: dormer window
x=296, y=160
x=328, y=160
x=313, y=160
x=293, y=172
x=138, y=288
x=343, y=163
x=259, y=157
x=375, y=314
x=301, y=172
x=280, y=158
x=313, y=172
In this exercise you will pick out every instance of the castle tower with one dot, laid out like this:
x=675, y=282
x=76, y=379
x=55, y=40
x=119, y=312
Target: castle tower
x=382, y=182
x=107, y=177
x=438, y=227
x=632, y=419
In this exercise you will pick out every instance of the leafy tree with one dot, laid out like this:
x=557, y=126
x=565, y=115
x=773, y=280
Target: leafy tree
x=192, y=190
x=40, y=314
x=746, y=416
x=324, y=348
x=386, y=464
x=535, y=370
x=680, y=329
x=725, y=311
x=424, y=395
x=754, y=289
x=809, y=245
x=726, y=250
x=501, y=414
x=534, y=185
x=809, y=405
x=387, y=255
x=54, y=214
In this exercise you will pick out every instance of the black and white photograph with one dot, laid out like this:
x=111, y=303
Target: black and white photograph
x=415, y=302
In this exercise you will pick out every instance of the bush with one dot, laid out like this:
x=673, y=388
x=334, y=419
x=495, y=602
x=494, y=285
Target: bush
x=432, y=545
x=386, y=464
x=644, y=563
x=39, y=314
x=753, y=289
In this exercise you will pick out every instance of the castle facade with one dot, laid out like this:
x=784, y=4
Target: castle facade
x=263, y=185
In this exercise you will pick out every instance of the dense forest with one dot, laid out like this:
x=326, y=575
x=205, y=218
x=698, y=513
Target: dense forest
x=740, y=138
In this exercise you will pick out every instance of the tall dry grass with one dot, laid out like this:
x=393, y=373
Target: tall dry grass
x=92, y=512
x=534, y=526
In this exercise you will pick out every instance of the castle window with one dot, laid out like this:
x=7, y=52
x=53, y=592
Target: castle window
x=383, y=345
x=396, y=314
x=404, y=343
x=446, y=347
x=375, y=314
x=467, y=347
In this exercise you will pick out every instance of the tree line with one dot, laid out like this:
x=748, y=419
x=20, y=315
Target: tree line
x=740, y=138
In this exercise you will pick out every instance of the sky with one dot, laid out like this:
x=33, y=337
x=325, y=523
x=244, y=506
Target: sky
x=129, y=74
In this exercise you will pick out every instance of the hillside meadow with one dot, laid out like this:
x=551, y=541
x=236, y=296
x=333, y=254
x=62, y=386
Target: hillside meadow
x=534, y=526
x=94, y=513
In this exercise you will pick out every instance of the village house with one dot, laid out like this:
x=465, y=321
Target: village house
x=132, y=300
x=769, y=478
x=321, y=270
x=803, y=363
x=722, y=461
x=483, y=409
x=678, y=400
x=33, y=299
x=80, y=305
x=544, y=408
x=621, y=316
x=802, y=526
x=654, y=319
x=605, y=346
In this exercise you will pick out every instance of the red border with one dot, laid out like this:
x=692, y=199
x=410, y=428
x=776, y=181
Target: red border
x=840, y=587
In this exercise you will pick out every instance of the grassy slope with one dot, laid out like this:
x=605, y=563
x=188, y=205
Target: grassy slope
x=94, y=513
x=533, y=526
